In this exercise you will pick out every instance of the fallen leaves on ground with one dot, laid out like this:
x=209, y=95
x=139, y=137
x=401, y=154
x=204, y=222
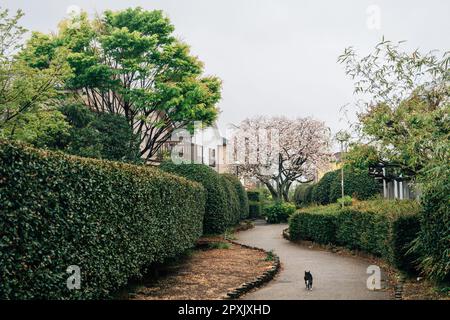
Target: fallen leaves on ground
x=207, y=274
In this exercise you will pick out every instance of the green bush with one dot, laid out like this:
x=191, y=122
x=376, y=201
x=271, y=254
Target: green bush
x=111, y=219
x=100, y=135
x=233, y=207
x=317, y=227
x=405, y=230
x=218, y=214
x=321, y=191
x=302, y=195
x=241, y=193
x=279, y=212
x=432, y=246
x=380, y=227
x=345, y=201
x=358, y=184
x=308, y=194
x=365, y=231
x=254, y=195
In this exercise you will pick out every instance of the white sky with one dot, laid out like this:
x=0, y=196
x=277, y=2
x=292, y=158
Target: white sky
x=275, y=57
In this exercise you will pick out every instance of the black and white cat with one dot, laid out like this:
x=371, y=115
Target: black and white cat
x=308, y=280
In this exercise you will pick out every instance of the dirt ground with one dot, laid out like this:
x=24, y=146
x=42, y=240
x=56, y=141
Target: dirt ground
x=206, y=274
x=414, y=289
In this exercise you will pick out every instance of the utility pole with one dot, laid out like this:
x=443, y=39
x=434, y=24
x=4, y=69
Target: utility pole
x=343, y=137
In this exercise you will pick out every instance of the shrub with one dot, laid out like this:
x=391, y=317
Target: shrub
x=301, y=195
x=254, y=195
x=321, y=191
x=100, y=135
x=308, y=194
x=383, y=228
x=241, y=193
x=346, y=201
x=217, y=211
x=111, y=219
x=358, y=184
x=432, y=246
x=318, y=226
x=255, y=203
x=279, y=212
x=405, y=230
x=233, y=209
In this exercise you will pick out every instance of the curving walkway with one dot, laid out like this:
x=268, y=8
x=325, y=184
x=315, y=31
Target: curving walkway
x=335, y=277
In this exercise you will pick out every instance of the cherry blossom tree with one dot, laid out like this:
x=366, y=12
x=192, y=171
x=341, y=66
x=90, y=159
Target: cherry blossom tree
x=279, y=151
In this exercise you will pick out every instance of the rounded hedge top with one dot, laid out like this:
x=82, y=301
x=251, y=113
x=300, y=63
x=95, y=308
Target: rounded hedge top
x=241, y=193
x=217, y=209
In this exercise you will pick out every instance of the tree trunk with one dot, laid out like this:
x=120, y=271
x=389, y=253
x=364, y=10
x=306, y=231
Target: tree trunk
x=286, y=189
x=272, y=191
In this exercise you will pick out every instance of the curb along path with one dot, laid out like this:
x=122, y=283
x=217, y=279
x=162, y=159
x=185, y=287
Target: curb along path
x=335, y=277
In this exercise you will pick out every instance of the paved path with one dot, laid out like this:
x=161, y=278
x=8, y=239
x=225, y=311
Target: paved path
x=335, y=277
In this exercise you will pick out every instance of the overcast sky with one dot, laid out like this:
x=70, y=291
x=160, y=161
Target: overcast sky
x=275, y=57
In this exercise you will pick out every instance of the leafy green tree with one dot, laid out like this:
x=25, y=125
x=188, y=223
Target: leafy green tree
x=129, y=63
x=406, y=113
x=25, y=89
x=321, y=193
x=405, y=109
x=100, y=135
x=47, y=128
x=361, y=157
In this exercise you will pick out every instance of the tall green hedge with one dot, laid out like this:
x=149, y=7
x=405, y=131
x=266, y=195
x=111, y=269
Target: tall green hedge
x=110, y=219
x=380, y=227
x=218, y=213
x=357, y=184
x=254, y=195
x=433, y=243
x=321, y=192
x=318, y=225
x=233, y=208
x=241, y=193
x=255, y=207
x=302, y=195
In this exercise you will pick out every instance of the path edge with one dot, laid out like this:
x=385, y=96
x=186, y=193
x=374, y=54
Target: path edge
x=257, y=282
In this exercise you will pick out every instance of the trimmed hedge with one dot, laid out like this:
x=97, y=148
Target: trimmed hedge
x=254, y=195
x=357, y=184
x=241, y=193
x=233, y=208
x=279, y=212
x=111, y=219
x=433, y=243
x=319, y=226
x=255, y=204
x=301, y=194
x=380, y=227
x=219, y=213
x=321, y=192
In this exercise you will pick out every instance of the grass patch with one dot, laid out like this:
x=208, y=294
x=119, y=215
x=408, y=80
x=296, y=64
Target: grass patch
x=219, y=245
x=270, y=256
